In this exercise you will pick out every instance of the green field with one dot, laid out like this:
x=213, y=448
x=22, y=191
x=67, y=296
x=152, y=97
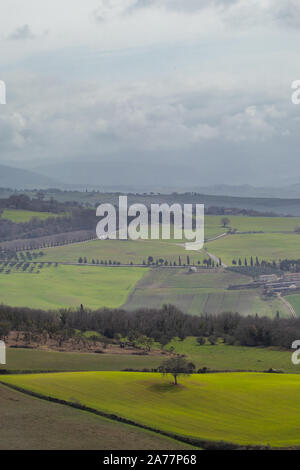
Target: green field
x=201, y=293
x=241, y=408
x=218, y=357
x=19, y=359
x=234, y=358
x=69, y=286
x=267, y=246
x=254, y=224
x=32, y=424
x=18, y=216
x=123, y=251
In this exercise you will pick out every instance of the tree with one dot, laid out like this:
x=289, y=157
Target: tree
x=200, y=340
x=177, y=366
x=5, y=328
x=225, y=221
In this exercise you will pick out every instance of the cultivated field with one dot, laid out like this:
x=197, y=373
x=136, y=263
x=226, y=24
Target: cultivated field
x=202, y=292
x=69, y=286
x=31, y=424
x=241, y=408
x=294, y=300
x=18, y=216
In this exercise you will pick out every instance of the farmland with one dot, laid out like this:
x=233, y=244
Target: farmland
x=217, y=357
x=255, y=224
x=294, y=300
x=39, y=360
x=267, y=246
x=202, y=292
x=237, y=408
x=124, y=252
x=26, y=419
x=69, y=286
x=19, y=216
x=225, y=357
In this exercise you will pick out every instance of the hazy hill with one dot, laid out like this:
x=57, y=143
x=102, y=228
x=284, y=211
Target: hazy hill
x=18, y=178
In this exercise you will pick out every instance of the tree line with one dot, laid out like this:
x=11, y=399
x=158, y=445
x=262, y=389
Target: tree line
x=162, y=325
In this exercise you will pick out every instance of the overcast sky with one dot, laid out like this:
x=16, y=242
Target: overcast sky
x=194, y=84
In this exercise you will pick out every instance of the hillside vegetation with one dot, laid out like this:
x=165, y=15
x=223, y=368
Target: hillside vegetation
x=240, y=408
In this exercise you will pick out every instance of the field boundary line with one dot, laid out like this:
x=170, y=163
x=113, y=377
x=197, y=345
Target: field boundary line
x=201, y=443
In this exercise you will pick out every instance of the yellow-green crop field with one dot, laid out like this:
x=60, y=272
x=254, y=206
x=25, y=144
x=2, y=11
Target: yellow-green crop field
x=241, y=408
x=18, y=216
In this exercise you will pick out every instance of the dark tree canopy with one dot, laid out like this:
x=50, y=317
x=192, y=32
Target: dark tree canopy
x=176, y=366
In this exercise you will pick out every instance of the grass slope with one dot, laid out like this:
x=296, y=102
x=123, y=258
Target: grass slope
x=123, y=251
x=38, y=360
x=267, y=246
x=32, y=424
x=202, y=292
x=224, y=357
x=243, y=408
x=69, y=286
x=254, y=224
x=218, y=357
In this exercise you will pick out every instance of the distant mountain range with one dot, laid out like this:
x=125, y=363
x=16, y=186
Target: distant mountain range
x=120, y=176
x=17, y=178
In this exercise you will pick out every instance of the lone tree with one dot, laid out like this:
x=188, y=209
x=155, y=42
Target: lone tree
x=176, y=366
x=225, y=221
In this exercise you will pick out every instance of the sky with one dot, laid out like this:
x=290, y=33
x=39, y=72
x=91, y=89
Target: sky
x=197, y=92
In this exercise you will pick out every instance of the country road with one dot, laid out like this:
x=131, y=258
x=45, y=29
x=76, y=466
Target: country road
x=288, y=305
x=216, y=259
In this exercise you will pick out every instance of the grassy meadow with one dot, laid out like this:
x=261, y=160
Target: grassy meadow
x=267, y=246
x=69, y=286
x=125, y=251
x=19, y=359
x=217, y=357
x=224, y=357
x=240, y=408
x=254, y=224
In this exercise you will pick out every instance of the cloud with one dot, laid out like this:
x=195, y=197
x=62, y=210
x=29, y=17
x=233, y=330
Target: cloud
x=110, y=9
x=181, y=5
x=22, y=33
x=287, y=12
